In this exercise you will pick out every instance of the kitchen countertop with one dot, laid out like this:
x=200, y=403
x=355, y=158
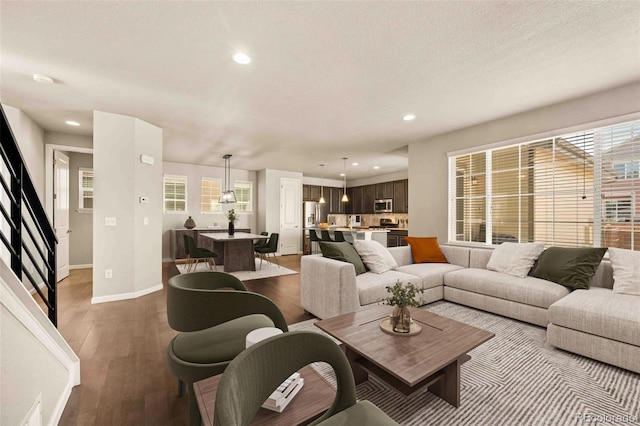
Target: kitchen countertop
x=345, y=229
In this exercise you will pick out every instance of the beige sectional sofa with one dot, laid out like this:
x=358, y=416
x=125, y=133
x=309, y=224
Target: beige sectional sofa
x=596, y=323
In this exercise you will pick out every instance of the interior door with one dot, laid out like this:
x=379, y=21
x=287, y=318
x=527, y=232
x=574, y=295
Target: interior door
x=61, y=211
x=290, y=215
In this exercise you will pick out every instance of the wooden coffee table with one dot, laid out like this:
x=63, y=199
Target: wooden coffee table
x=408, y=364
x=311, y=402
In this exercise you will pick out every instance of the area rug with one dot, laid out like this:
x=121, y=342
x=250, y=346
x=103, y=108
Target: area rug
x=268, y=270
x=513, y=379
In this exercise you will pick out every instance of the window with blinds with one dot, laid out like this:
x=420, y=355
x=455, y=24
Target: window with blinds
x=210, y=190
x=243, y=191
x=175, y=194
x=85, y=189
x=576, y=190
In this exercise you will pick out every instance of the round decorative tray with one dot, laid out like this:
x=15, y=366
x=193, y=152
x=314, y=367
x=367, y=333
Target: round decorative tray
x=414, y=328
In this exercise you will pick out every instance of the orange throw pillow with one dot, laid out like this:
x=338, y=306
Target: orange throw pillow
x=426, y=250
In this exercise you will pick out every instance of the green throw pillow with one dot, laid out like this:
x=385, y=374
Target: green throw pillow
x=344, y=252
x=570, y=267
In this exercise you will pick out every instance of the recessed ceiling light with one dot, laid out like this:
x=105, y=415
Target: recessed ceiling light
x=409, y=117
x=44, y=79
x=342, y=174
x=72, y=123
x=376, y=167
x=242, y=58
x=354, y=164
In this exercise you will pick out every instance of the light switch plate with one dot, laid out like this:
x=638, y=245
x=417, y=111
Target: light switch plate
x=110, y=221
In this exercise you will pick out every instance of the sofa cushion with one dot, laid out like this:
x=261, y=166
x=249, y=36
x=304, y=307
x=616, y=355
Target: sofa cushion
x=426, y=250
x=515, y=258
x=371, y=287
x=529, y=290
x=601, y=312
x=572, y=267
x=431, y=274
x=375, y=256
x=343, y=252
x=626, y=271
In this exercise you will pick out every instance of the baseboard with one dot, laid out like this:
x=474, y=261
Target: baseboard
x=56, y=415
x=86, y=266
x=125, y=296
x=168, y=259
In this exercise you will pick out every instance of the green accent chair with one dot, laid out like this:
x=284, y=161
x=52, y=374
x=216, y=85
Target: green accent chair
x=196, y=254
x=270, y=247
x=214, y=313
x=257, y=372
x=313, y=238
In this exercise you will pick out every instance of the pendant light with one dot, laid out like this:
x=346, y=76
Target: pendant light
x=345, y=198
x=227, y=196
x=321, y=200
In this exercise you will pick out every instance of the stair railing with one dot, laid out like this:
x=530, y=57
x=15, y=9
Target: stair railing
x=26, y=231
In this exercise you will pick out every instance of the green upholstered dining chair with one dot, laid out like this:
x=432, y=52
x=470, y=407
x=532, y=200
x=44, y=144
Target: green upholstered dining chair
x=270, y=247
x=313, y=238
x=262, y=241
x=254, y=374
x=214, y=313
x=196, y=254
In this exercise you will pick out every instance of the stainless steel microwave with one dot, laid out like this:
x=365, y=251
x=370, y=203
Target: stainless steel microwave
x=383, y=206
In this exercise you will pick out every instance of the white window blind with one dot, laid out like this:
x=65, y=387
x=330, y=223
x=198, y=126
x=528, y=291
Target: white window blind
x=243, y=191
x=210, y=195
x=85, y=189
x=175, y=193
x=577, y=190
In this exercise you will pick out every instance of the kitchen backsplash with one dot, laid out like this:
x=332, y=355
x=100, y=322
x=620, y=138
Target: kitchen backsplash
x=370, y=219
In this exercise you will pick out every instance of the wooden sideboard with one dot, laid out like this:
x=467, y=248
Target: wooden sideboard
x=177, y=239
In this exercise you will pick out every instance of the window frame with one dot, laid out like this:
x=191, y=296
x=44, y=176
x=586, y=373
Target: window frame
x=249, y=203
x=81, y=190
x=214, y=199
x=175, y=200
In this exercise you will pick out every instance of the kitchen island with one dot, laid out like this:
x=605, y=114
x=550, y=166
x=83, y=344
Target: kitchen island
x=350, y=234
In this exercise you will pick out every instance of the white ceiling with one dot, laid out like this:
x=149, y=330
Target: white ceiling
x=328, y=79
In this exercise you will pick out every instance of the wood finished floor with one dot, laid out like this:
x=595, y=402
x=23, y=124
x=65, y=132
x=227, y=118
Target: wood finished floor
x=122, y=349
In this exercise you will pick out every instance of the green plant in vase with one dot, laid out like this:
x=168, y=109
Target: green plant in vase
x=231, y=215
x=402, y=297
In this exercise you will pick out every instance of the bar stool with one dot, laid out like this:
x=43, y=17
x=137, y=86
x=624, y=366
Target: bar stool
x=325, y=236
x=338, y=236
x=313, y=237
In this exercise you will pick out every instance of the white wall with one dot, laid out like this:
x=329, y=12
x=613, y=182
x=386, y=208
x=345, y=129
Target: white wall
x=194, y=174
x=269, y=202
x=428, y=172
x=80, y=223
x=389, y=177
x=131, y=249
x=30, y=138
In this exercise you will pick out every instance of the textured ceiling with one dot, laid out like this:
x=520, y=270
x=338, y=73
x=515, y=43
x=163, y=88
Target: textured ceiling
x=328, y=79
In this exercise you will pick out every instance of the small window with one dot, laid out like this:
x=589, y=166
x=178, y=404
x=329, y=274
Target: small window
x=85, y=189
x=175, y=194
x=210, y=195
x=244, y=200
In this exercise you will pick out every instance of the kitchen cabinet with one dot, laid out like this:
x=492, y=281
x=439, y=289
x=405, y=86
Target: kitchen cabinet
x=368, y=197
x=384, y=190
x=354, y=206
x=395, y=238
x=310, y=192
x=334, y=197
x=401, y=196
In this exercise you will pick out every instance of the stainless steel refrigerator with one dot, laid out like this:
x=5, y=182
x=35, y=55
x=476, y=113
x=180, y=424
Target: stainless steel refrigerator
x=314, y=213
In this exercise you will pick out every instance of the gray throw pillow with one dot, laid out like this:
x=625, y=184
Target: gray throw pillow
x=344, y=252
x=570, y=267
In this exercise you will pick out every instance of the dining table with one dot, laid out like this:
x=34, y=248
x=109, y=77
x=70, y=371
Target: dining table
x=235, y=251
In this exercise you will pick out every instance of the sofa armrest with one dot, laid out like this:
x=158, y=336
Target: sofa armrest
x=327, y=286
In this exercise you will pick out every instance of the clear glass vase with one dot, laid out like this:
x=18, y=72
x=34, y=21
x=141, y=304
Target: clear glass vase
x=401, y=319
